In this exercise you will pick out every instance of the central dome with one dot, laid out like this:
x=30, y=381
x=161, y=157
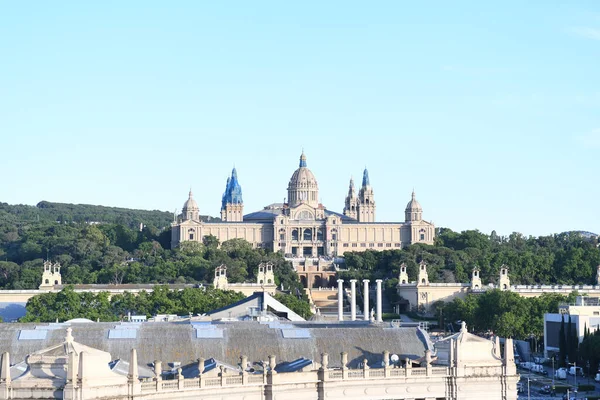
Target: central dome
x=303, y=187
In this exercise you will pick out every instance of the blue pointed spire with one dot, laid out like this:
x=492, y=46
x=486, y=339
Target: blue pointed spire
x=302, y=159
x=233, y=190
x=366, y=181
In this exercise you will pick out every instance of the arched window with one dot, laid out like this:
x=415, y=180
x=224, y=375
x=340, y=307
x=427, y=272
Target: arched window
x=294, y=234
x=504, y=286
x=47, y=281
x=423, y=281
x=308, y=234
x=476, y=286
x=56, y=282
x=403, y=281
x=320, y=234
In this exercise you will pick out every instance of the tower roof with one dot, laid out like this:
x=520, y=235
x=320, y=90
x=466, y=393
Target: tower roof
x=233, y=190
x=302, y=160
x=302, y=177
x=365, y=181
x=190, y=203
x=413, y=204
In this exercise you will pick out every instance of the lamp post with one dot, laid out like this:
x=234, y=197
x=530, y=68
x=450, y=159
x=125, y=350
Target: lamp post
x=528, y=390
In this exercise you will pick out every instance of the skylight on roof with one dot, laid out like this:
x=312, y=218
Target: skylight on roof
x=209, y=334
x=32, y=334
x=296, y=333
x=122, y=334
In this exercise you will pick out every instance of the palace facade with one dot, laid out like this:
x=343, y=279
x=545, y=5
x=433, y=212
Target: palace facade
x=303, y=227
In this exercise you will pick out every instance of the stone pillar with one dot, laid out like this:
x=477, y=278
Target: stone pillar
x=272, y=364
x=135, y=386
x=353, y=299
x=82, y=369
x=386, y=363
x=5, y=378
x=243, y=366
x=158, y=370
x=344, y=364
x=324, y=361
x=340, y=299
x=366, y=299
x=379, y=300
x=201, y=366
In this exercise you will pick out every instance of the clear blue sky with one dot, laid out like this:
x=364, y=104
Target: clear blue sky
x=491, y=112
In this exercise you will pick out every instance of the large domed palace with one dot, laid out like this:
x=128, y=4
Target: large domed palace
x=303, y=227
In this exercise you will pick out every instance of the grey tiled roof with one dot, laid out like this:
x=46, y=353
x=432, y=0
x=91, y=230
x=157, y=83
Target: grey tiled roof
x=170, y=342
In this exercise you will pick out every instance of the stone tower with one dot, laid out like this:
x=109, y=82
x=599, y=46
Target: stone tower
x=232, y=205
x=190, y=210
x=265, y=274
x=351, y=205
x=504, y=281
x=220, y=281
x=413, y=211
x=403, y=277
x=366, y=200
x=51, y=275
x=303, y=187
x=475, y=279
x=423, y=277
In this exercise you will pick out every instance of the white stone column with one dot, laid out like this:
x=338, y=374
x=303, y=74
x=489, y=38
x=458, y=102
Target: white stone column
x=340, y=299
x=366, y=299
x=379, y=300
x=353, y=299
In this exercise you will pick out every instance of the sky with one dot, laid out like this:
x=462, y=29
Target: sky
x=491, y=112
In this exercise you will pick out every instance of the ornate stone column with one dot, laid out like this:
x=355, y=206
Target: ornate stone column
x=366, y=299
x=340, y=299
x=353, y=299
x=379, y=300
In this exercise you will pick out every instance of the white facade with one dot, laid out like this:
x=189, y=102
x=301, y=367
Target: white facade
x=462, y=367
x=302, y=226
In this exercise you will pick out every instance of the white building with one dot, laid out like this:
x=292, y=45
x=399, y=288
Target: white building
x=278, y=360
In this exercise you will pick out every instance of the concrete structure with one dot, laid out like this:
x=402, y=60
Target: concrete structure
x=584, y=313
x=302, y=226
x=420, y=294
x=252, y=361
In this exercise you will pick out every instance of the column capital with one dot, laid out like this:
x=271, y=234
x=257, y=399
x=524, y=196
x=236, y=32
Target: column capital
x=366, y=281
x=379, y=280
x=353, y=280
x=340, y=281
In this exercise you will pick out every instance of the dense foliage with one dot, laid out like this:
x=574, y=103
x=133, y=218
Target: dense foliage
x=68, y=304
x=114, y=250
x=503, y=313
x=46, y=211
x=566, y=258
x=114, y=253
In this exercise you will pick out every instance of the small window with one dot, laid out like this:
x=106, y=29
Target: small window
x=363, y=245
x=191, y=236
x=282, y=236
x=334, y=237
x=371, y=244
x=333, y=221
x=345, y=244
x=47, y=281
x=56, y=282
x=423, y=281
x=388, y=245
x=354, y=244
x=596, y=312
x=422, y=236
x=268, y=281
x=398, y=245
x=379, y=244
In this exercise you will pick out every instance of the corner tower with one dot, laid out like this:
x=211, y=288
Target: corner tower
x=303, y=188
x=366, y=200
x=190, y=210
x=413, y=211
x=351, y=204
x=232, y=204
